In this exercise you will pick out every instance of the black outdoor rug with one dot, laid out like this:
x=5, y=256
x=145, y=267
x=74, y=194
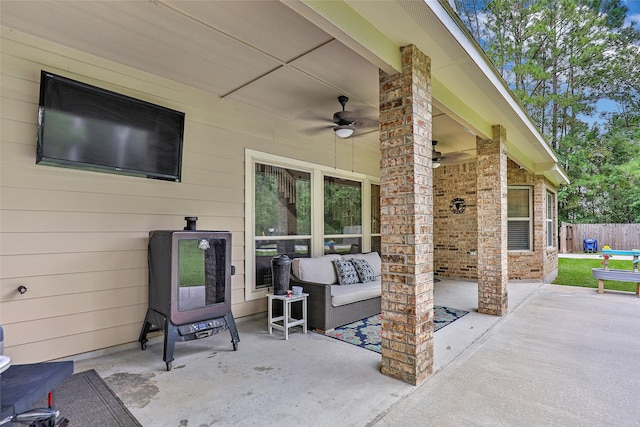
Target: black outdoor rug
x=87, y=401
x=366, y=333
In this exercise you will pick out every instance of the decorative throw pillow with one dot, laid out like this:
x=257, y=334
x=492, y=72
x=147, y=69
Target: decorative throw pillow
x=364, y=270
x=346, y=272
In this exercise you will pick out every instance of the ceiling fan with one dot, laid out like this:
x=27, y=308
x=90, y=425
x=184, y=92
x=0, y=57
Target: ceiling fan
x=345, y=123
x=454, y=157
x=436, y=156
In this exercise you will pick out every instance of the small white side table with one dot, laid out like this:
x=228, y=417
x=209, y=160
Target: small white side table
x=287, y=321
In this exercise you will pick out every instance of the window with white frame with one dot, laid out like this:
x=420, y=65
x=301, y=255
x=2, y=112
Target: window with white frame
x=282, y=206
x=342, y=215
x=376, y=238
x=551, y=208
x=519, y=218
x=302, y=209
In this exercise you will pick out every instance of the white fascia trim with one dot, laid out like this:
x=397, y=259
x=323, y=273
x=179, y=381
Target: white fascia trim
x=553, y=172
x=484, y=65
x=556, y=175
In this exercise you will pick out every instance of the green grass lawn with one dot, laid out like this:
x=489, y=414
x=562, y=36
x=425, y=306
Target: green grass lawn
x=577, y=272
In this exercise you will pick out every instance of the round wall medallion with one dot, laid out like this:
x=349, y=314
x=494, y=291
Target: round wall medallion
x=457, y=205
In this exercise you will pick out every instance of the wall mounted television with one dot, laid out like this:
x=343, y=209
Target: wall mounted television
x=86, y=127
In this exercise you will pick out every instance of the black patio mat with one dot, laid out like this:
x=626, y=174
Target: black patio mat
x=86, y=400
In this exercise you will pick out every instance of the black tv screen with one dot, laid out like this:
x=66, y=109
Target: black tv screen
x=83, y=126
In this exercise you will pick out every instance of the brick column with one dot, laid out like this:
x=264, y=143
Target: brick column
x=539, y=227
x=406, y=196
x=492, y=224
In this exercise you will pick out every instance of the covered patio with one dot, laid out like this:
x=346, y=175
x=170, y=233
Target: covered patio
x=259, y=83
x=307, y=380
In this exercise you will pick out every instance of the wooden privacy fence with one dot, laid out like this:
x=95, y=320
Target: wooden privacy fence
x=617, y=236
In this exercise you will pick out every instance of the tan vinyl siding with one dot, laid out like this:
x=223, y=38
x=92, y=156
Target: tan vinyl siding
x=58, y=347
x=78, y=239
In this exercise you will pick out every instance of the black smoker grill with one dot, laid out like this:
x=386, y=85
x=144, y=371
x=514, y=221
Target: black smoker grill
x=189, y=286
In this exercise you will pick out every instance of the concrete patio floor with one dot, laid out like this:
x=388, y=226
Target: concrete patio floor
x=566, y=357
x=562, y=356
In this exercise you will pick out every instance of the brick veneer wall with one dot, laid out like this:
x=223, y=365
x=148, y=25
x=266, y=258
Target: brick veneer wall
x=550, y=264
x=542, y=262
x=455, y=236
x=525, y=265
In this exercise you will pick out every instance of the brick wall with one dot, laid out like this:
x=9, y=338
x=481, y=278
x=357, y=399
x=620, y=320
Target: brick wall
x=542, y=262
x=455, y=236
x=550, y=254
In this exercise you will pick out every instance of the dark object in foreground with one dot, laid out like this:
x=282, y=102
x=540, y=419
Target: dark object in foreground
x=22, y=386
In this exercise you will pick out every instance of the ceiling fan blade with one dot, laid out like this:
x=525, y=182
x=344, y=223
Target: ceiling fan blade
x=312, y=131
x=311, y=117
x=360, y=119
x=348, y=116
x=367, y=122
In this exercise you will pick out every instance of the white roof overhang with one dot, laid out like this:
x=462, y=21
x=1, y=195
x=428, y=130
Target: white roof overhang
x=465, y=85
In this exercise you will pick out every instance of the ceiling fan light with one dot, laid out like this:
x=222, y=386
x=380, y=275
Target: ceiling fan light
x=436, y=164
x=343, y=131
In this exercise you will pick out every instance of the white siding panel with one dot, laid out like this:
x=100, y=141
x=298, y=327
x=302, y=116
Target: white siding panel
x=66, y=201
x=237, y=282
x=20, y=89
x=63, y=305
x=73, y=324
x=19, y=154
x=28, y=51
x=37, y=243
x=19, y=133
x=15, y=109
x=249, y=307
x=222, y=172
x=71, y=283
x=34, y=176
x=79, y=262
x=45, y=222
x=56, y=348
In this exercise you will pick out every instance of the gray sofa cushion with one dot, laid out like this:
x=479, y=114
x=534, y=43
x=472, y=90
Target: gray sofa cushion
x=341, y=295
x=321, y=270
x=318, y=270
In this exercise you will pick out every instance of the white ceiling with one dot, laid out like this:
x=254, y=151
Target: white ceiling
x=260, y=53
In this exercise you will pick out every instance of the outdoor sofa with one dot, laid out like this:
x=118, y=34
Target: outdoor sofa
x=331, y=304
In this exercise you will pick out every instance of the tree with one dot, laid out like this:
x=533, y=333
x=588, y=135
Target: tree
x=561, y=58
